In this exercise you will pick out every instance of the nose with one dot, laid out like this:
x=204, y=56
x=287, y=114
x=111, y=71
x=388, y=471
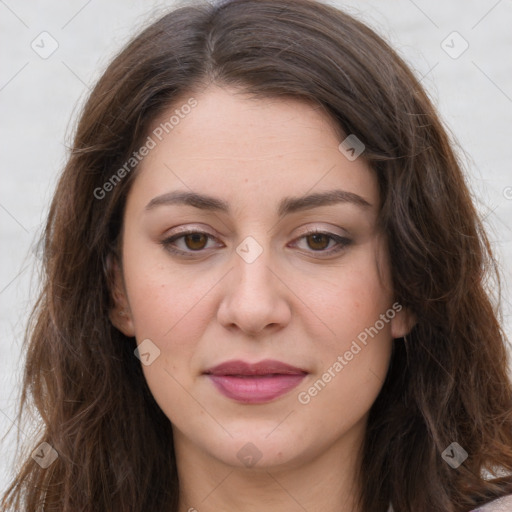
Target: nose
x=256, y=299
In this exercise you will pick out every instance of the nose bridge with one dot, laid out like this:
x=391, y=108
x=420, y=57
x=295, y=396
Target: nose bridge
x=254, y=296
x=252, y=273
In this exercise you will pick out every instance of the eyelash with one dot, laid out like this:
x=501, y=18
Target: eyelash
x=341, y=241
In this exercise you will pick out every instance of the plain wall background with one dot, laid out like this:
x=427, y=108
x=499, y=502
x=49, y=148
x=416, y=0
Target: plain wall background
x=40, y=100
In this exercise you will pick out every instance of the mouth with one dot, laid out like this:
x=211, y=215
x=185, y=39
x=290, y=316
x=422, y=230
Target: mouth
x=255, y=383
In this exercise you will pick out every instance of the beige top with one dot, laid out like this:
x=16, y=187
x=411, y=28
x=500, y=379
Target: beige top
x=500, y=505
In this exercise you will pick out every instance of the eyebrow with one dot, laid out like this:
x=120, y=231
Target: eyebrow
x=286, y=206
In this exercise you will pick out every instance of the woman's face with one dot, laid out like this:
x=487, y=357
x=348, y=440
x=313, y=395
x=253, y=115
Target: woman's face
x=264, y=345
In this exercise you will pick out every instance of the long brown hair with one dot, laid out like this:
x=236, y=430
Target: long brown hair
x=446, y=383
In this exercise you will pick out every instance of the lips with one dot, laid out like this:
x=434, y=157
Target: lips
x=255, y=383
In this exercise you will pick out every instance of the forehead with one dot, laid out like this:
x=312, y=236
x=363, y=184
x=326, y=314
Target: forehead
x=248, y=151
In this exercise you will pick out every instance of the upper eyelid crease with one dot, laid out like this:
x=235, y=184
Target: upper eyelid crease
x=286, y=206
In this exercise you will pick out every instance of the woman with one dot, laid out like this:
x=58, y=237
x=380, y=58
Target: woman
x=265, y=284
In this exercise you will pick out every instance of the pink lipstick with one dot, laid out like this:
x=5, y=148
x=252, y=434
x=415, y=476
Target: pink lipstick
x=255, y=383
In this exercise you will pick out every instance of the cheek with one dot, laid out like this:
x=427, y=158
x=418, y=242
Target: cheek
x=169, y=309
x=355, y=303
x=351, y=299
x=165, y=303
x=352, y=369
x=173, y=309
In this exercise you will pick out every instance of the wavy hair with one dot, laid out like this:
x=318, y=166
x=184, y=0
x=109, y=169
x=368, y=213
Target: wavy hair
x=446, y=383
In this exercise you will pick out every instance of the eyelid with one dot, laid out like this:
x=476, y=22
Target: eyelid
x=325, y=231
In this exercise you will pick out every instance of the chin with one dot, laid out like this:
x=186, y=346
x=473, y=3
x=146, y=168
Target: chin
x=256, y=449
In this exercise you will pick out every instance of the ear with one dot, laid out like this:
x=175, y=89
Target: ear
x=120, y=314
x=403, y=321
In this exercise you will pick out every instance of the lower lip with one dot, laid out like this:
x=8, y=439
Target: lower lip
x=256, y=389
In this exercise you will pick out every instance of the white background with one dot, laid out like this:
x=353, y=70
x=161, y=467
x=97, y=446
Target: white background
x=39, y=100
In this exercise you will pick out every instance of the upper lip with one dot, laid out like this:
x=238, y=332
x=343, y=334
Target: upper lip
x=266, y=367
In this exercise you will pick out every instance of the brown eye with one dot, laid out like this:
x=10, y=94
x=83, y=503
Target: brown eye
x=195, y=241
x=186, y=244
x=318, y=241
x=323, y=243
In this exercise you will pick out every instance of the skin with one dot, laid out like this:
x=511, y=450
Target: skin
x=294, y=303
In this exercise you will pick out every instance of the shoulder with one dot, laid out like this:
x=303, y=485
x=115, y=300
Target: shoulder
x=500, y=505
